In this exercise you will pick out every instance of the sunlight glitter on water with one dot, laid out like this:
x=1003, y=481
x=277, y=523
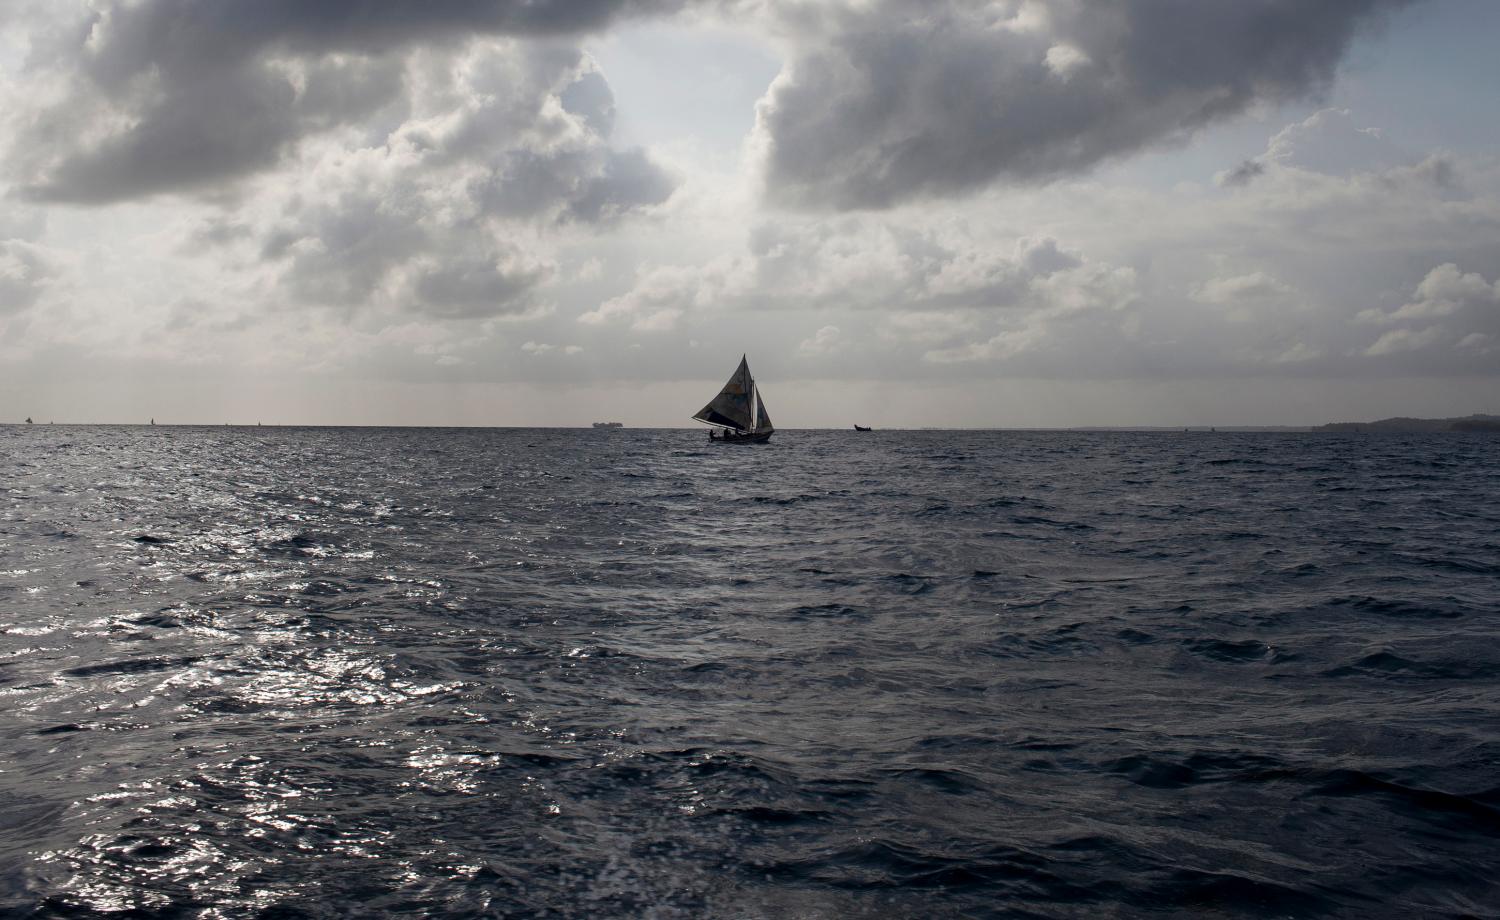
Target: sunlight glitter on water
x=1055, y=674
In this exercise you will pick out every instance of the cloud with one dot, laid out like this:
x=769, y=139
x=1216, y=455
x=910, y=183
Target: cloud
x=1298, y=353
x=220, y=125
x=1065, y=60
x=1399, y=340
x=998, y=347
x=420, y=198
x=184, y=95
x=1256, y=286
x=433, y=220
x=662, y=294
x=881, y=105
x=935, y=286
x=25, y=272
x=490, y=281
x=1060, y=312
x=1041, y=256
x=1331, y=142
x=188, y=97
x=1242, y=175
x=1445, y=292
x=380, y=159
x=539, y=348
x=1450, y=308
x=824, y=341
x=928, y=327
x=941, y=298
x=590, y=185
x=850, y=263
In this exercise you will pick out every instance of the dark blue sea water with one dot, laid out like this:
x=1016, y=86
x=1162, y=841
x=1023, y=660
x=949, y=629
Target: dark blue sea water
x=264, y=672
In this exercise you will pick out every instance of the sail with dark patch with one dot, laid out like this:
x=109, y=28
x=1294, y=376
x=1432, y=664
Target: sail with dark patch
x=731, y=408
x=738, y=409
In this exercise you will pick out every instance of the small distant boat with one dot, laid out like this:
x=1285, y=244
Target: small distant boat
x=738, y=411
x=861, y=428
x=153, y=421
x=29, y=421
x=609, y=425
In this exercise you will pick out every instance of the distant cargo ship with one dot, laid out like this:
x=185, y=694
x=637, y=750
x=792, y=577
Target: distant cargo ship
x=609, y=425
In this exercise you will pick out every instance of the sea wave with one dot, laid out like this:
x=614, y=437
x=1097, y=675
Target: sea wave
x=355, y=672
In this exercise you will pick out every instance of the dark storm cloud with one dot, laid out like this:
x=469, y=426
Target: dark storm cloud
x=1242, y=175
x=197, y=35
x=897, y=102
x=218, y=125
x=210, y=92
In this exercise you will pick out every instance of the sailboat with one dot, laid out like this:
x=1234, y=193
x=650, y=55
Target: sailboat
x=738, y=410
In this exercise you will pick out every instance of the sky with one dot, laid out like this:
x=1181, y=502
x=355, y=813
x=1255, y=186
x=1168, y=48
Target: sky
x=1012, y=213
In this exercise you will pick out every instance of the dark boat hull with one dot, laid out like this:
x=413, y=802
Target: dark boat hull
x=748, y=437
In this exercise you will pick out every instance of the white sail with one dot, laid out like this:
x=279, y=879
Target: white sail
x=731, y=408
x=762, y=417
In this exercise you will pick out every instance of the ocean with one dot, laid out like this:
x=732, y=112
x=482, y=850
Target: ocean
x=304, y=672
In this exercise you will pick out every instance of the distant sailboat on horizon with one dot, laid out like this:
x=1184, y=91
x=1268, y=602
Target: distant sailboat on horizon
x=738, y=410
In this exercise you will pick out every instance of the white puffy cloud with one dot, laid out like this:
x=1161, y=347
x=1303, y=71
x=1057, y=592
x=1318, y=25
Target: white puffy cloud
x=822, y=342
x=1446, y=291
x=1452, y=309
x=662, y=294
x=1399, y=340
x=1240, y=288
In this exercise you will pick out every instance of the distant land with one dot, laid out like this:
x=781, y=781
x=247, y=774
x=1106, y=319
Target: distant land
x=1467, y=423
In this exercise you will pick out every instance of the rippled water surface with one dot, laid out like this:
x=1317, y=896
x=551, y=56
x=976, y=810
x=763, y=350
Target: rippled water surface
x=554, y=673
